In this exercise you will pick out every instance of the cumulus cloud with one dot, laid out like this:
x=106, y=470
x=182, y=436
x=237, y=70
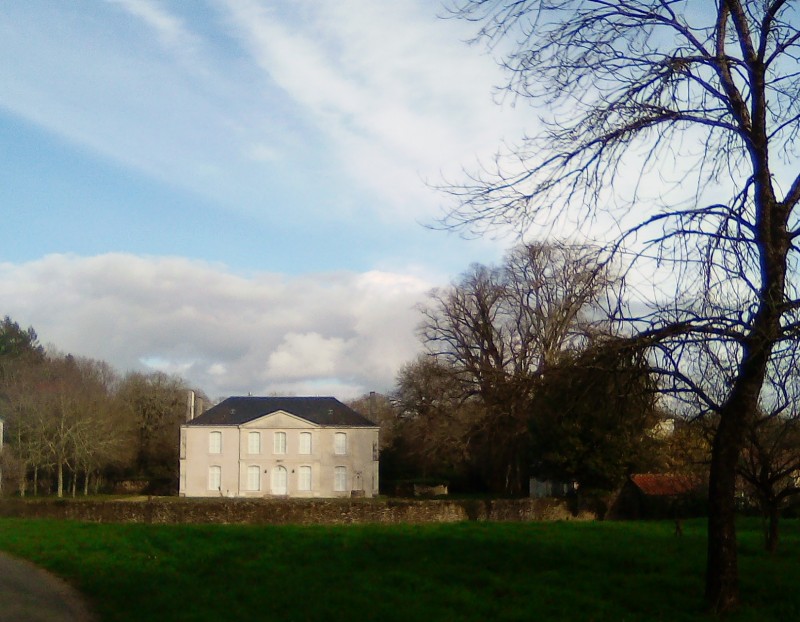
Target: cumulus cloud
x=340, y=333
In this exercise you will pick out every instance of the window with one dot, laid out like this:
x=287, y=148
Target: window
x=304, y=478
x=183, y=445
x=305, y=443
x=215, y=478
x=279, y=480
x=340, y=479
x=253, y=478
x=280, y=443
x=340, y=443
x=215, y=442
x=254, y=443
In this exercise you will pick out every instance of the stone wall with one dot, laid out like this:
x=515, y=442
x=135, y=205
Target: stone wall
x=175, y=510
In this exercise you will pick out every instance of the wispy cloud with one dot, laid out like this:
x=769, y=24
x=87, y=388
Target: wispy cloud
x=394, y=89
x=340, y=333
x=341, y=109
x=169, y=28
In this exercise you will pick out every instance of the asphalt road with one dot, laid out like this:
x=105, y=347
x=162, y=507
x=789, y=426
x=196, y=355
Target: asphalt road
x=30, y=594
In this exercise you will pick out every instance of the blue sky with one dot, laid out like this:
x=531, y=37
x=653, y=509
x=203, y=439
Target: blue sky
x=235, y=190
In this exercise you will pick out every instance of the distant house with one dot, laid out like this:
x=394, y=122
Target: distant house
x=542, y=488
x=658, y=495
x=279, y=447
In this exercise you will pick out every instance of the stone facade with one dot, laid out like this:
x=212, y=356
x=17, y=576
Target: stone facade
x=322, y=449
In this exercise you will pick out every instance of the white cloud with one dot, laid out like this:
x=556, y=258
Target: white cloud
x=342, y=108
x=340, y=333
x=395, y=90
x=301, y=355
x=169, y=28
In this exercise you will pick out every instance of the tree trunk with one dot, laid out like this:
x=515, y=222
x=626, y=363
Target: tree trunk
x=60, y=490
x=722, y=573
x=23, y=480
x=771, y=532
x=36, y=481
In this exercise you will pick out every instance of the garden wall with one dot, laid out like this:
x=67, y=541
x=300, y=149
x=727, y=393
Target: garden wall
x=174, y=510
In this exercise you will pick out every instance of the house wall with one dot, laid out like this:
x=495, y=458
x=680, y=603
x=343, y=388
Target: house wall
x=236, y=461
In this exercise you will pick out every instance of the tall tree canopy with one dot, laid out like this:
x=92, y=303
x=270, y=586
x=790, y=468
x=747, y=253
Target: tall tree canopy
x=678, y=119
x=498, y=327
x=593, y=417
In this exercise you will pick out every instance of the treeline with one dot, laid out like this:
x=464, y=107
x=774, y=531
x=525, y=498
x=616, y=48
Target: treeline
x=75, y=425
x=525, y=375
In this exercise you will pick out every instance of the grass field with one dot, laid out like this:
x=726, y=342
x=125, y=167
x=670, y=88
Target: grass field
x=464, y=571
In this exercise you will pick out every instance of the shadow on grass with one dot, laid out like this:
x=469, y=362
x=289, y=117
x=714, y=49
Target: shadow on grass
x=463, y=571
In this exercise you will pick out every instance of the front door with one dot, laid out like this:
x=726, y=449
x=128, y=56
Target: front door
x=279, y=480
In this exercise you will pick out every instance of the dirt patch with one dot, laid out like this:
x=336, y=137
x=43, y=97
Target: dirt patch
x=30, y=593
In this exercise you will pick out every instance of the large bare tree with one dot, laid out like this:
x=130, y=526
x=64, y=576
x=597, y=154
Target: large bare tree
x=679, y=119
x=497, y=328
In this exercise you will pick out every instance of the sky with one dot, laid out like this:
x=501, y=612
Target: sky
x=239, y=192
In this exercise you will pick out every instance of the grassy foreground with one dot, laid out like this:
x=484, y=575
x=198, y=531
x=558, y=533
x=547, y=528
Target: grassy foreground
x=465, y=571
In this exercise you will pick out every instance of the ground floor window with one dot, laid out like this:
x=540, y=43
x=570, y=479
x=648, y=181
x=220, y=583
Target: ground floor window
x=253, y=478
x=215, y=478
x=304, y=478
x=340, y=479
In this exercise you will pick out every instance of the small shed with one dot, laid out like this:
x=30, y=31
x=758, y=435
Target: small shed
x=658, y=495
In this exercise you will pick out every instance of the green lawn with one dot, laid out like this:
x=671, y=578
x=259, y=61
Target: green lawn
x=466, y=571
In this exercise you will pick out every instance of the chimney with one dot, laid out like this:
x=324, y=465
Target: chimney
x=190, y=406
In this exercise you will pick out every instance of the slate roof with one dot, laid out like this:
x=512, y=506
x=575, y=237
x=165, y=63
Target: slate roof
x=326, y=411
x=665, y=484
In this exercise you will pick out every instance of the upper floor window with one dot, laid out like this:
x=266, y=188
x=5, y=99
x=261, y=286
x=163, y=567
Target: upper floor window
x=279, y=443
x=254, y=443
x=215, y=442
x=340, y=443
x=305, y=443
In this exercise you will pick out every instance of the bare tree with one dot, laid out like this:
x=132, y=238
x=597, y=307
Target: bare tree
x=678, y=119
x=434, y=423
x=770, y=462
x=770, y=465
x=378, y=408
x=154, y=405
x=497, y=328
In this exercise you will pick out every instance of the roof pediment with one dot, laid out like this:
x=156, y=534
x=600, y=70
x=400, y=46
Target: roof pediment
x=279, y=419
